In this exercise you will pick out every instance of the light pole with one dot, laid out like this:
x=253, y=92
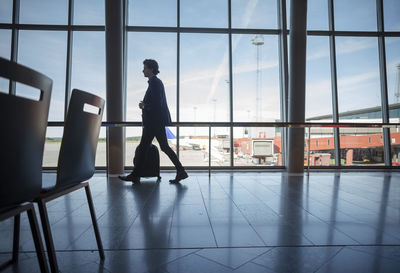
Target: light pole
x=258, y=41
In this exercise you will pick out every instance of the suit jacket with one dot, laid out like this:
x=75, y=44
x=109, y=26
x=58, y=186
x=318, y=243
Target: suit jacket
x=155, y=112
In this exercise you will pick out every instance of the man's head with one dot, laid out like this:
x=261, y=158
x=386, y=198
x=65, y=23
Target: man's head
x=150, y=68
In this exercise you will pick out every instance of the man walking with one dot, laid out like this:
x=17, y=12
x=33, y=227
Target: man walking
x=155, y=116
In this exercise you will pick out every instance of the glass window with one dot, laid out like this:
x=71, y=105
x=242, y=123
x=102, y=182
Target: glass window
x=256, y=146
x=89, y=12
x=45, y=51
x=5, y=43
x=204, y=78
x=317, y=15
x=391, y=9
x=318, y=80
x=319, y=150
x=194, y=146
x=160, y=47
x=254, y=14
x=204, y=13
x=220, y=146
x=132, y=140
x=395, y=146
x=361, y=147
x=52, y=146
x=133, y=136
x=393, y=77
x=4, y=85
x=359, y=98
x=88, y=63
x=44, y=12
x=256, y=91
x=288, y=14
x=101, y=151
x=5, y=52
x=6, y=7
x=153, y=13
x=356, y=15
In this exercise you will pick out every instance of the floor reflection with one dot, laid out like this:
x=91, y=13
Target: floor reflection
x=229, y=222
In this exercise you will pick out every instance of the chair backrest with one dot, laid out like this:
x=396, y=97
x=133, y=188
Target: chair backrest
x=76, y=161
x=23, y=124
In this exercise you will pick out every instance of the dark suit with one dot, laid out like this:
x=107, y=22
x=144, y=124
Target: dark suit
x=155, y=116
x=155, y=112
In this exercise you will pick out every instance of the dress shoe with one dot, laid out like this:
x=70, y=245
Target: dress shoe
x=179, y=176
x=130, y=177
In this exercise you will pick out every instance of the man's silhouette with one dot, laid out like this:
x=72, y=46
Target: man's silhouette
x=155, y=116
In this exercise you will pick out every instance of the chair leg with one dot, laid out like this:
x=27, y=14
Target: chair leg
x=37, y=240
x=94, y=221
x=51, y=252
x=17, y=222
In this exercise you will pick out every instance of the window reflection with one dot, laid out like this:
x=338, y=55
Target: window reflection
x=44, y=12
x=256, y=91
x=162, y=48
x=204, y=80
x=45, y=51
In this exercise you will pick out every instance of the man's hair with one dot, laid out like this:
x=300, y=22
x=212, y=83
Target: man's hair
x=152, y=64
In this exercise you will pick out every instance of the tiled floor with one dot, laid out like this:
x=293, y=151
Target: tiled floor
x=230, y=222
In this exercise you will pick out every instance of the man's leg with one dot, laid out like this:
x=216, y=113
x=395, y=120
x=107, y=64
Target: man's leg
x=162, y=140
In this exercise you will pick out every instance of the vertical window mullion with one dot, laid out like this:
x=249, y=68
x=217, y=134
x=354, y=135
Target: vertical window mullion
x=69, y=56
x=14, y=40
x=178, y=45
x=335, y=108
x=383, y=80
x=283, y=73
x=230, y=82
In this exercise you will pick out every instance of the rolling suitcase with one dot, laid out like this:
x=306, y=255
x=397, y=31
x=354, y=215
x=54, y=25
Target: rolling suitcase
x=151, y=166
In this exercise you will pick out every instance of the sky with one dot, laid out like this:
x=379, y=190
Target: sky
x=204, y=58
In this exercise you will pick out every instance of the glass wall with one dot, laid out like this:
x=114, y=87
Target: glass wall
x=216, y=70
x=318, y=80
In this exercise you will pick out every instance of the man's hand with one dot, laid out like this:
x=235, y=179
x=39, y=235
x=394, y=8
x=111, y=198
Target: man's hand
x=141, y=105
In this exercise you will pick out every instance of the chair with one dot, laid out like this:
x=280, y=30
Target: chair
x=76, y=163
x=23, y=124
